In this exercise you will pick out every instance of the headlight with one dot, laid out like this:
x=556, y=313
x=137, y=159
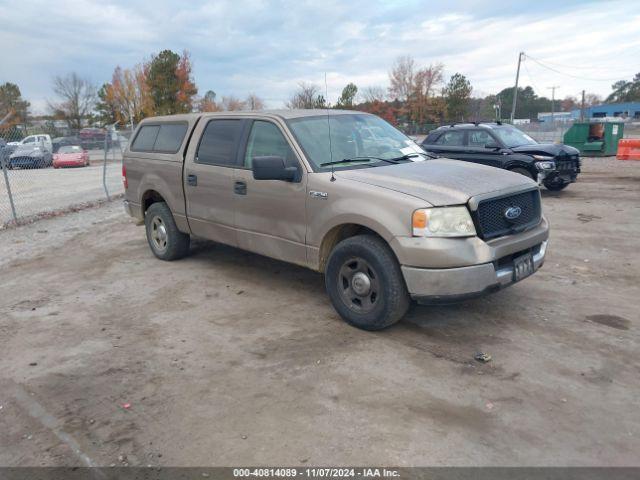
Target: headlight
x=443, y=222
x=545, y=165
x=542, y=157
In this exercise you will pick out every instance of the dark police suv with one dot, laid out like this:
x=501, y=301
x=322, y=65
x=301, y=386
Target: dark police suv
x=553, y=165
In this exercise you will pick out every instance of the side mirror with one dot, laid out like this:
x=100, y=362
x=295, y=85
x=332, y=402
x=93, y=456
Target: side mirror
x=273, y=168
x=492, y=146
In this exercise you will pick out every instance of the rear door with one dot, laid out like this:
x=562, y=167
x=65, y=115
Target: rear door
x=209, y=177
x=270, y=214
x=450, y=144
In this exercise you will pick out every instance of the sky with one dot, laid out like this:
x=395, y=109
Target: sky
x=267, y=48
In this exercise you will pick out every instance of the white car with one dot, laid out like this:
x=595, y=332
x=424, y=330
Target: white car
x=42, y=139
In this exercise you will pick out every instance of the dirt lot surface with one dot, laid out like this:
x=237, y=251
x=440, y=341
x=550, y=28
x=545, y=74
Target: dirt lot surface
x=109, y=356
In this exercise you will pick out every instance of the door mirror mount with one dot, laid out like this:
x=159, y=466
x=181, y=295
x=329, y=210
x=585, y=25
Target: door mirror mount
x=492, y=146
x=273, y=168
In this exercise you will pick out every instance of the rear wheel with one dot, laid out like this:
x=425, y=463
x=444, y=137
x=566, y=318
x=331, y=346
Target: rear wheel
x=365, y=283
x=165, y=240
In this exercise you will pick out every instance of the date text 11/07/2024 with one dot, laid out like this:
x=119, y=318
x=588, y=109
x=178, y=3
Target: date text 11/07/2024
x=316, y=472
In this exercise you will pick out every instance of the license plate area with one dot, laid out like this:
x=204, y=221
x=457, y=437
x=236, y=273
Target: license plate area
x=522, y=267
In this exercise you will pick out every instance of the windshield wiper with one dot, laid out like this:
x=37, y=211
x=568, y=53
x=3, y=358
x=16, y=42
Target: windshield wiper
x=347, y=160
x=368, y=158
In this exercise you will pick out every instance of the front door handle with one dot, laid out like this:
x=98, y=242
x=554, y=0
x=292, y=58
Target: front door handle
x=192, y=180
x=240, y=188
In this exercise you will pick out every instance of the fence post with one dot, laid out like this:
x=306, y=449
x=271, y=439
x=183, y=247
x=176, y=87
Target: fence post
x=104, y=166
x=6, y=181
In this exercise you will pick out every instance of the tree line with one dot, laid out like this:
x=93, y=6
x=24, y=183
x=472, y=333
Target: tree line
x=162, y=85
x=416, y=96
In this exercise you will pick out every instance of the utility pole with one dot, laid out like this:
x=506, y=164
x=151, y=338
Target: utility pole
x=515, y=89
x=553, y=99
x=582, y=108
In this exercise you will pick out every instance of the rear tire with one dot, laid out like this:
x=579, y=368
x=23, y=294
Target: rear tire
x=522, y=171
x=165, y=240
x=365, y=283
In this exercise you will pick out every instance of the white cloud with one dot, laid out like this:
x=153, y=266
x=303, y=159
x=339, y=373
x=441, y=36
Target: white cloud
x=267, y=48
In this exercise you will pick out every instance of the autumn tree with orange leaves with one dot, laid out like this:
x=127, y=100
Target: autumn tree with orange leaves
x=161, y=86
x=127, y=99
x=171, y=87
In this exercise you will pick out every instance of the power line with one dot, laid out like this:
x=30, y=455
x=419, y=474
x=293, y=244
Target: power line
x=570, y=75
x=530, y=77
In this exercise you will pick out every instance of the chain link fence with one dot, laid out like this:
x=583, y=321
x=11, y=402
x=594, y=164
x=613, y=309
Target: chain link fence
x=43, y=174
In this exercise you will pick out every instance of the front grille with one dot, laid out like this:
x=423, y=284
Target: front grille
x=566, y=165
x=22, y=160
x=490, y=219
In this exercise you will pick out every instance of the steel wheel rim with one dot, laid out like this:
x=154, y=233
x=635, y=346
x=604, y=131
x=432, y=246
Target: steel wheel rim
x=159, y=234
x=359, y=285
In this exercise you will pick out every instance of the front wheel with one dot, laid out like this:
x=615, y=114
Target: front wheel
x=365, y=283
x=556, y=186
x=165, y=240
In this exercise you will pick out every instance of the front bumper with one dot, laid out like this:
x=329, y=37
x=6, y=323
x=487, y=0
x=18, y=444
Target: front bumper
x=25, y=162
x=428, y=285
x=565, y=172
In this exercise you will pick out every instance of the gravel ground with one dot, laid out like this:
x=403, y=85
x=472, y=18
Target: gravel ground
x=110, y=356
x=47, y=190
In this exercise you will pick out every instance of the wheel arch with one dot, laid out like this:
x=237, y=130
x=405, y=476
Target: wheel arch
x=149, y=197
x=341, y=232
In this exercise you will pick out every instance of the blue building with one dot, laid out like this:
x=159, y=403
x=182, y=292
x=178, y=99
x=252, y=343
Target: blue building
x=629, y=110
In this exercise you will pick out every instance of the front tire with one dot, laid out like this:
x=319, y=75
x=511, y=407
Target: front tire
x=165, y=240
x=556, y=186
x=365, y=283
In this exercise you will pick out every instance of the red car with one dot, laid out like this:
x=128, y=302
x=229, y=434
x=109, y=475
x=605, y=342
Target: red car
x=71, y=156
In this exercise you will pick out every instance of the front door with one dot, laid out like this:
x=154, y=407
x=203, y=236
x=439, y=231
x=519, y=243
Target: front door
x=209, y=177
x=270, y=214
x=482, y=148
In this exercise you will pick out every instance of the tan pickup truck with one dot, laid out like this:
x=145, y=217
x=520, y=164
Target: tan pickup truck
x=340, y=192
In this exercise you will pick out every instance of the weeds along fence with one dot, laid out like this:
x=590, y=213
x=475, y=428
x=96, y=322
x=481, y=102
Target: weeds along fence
x=42, y=175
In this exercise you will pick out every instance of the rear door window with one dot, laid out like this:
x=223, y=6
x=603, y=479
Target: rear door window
x=219, y=143
x=145, y=138
x=454, y=138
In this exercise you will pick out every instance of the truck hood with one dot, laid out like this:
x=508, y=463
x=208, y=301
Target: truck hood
x=550, y=149
x=439, y=182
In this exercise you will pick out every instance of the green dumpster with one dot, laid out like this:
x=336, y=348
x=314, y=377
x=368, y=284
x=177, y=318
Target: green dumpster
x=595, y=138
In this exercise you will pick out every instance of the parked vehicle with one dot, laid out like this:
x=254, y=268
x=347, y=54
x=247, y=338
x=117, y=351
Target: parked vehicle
x=42, y=140
x=382, y=220
x=30, y=155
x=92, y=137
x=71, y=156
x=64, y=141
x=5, y=151
x=553, y=165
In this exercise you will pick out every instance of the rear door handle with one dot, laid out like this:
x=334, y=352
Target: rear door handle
x=240, y=188
x=192, y=180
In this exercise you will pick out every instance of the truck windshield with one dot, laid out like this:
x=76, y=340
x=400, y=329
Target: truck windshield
x=358, y=139
x=512, y=137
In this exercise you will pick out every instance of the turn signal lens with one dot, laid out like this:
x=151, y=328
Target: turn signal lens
x=419, y=219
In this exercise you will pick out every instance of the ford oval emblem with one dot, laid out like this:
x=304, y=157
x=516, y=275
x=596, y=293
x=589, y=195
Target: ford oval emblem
x=512, y=213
